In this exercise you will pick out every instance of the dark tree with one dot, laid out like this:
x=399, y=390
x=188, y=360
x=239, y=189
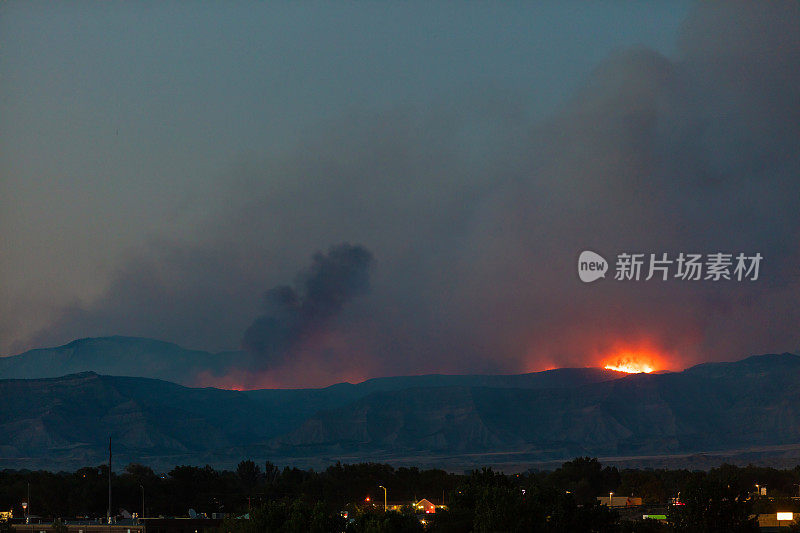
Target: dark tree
x=249, y=474
x=713, y=506
x=586, y=478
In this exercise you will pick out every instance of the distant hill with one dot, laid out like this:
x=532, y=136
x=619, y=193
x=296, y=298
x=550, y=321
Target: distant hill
x=149, y=358
x=747, y=409
x=70, y=418
x=117, y=356
x=67, y=420
x=711, y=406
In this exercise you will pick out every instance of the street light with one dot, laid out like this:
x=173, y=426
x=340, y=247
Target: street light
x=142, y=486
x=610, y=499
x=385, y=507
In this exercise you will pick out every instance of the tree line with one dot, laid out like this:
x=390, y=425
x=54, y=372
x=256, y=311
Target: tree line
x=347, y=497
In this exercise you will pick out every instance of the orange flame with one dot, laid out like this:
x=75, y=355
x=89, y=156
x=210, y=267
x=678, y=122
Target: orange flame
x=635, y=361
x=631, y=367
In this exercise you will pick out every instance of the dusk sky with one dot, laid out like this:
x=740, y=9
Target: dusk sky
x=370, y=189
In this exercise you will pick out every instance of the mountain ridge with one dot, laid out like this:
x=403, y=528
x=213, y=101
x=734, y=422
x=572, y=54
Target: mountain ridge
x=119, y=355
x=449, y=421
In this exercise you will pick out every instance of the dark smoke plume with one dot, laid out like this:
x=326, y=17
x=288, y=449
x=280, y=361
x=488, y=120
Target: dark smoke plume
x=291, y=315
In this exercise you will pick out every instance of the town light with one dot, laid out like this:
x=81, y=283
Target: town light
x=385, y=507
x=785, y=516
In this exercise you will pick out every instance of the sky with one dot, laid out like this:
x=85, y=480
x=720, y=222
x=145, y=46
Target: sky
x=366, y=189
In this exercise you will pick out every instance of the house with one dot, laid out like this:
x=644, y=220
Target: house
x=619, y=501
x=776, y=521
x=425, y=506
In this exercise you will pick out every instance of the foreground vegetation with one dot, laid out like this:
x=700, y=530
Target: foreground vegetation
x=563, y=500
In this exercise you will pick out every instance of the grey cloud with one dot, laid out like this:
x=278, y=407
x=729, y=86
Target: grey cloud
x=475, y=214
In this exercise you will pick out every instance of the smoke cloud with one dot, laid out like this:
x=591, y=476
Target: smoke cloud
x=476, y=212
x=294, y=315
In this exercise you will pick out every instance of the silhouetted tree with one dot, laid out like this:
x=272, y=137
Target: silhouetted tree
x=271, y=473
x=586, y=478
x=713, y=506
x=248, y=473
x=380, y=522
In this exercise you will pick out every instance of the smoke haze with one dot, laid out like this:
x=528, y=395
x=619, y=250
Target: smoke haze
x=471, y=206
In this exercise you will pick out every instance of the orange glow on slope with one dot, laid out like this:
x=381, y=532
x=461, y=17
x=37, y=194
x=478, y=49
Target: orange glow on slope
x=630, y=368
x=638, y=361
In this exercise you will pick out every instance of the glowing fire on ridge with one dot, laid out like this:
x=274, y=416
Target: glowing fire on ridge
x=637, y=361
x=631, y=368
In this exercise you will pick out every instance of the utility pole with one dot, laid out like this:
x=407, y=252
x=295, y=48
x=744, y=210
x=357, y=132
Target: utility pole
x=108, y=514
x=142, y=500
x=28, y=507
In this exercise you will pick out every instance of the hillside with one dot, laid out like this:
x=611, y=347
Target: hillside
x=117, y=356
x=747, y=407
x=67, y=420
x=711, y=407
x=150, y=358
x=72, y=417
